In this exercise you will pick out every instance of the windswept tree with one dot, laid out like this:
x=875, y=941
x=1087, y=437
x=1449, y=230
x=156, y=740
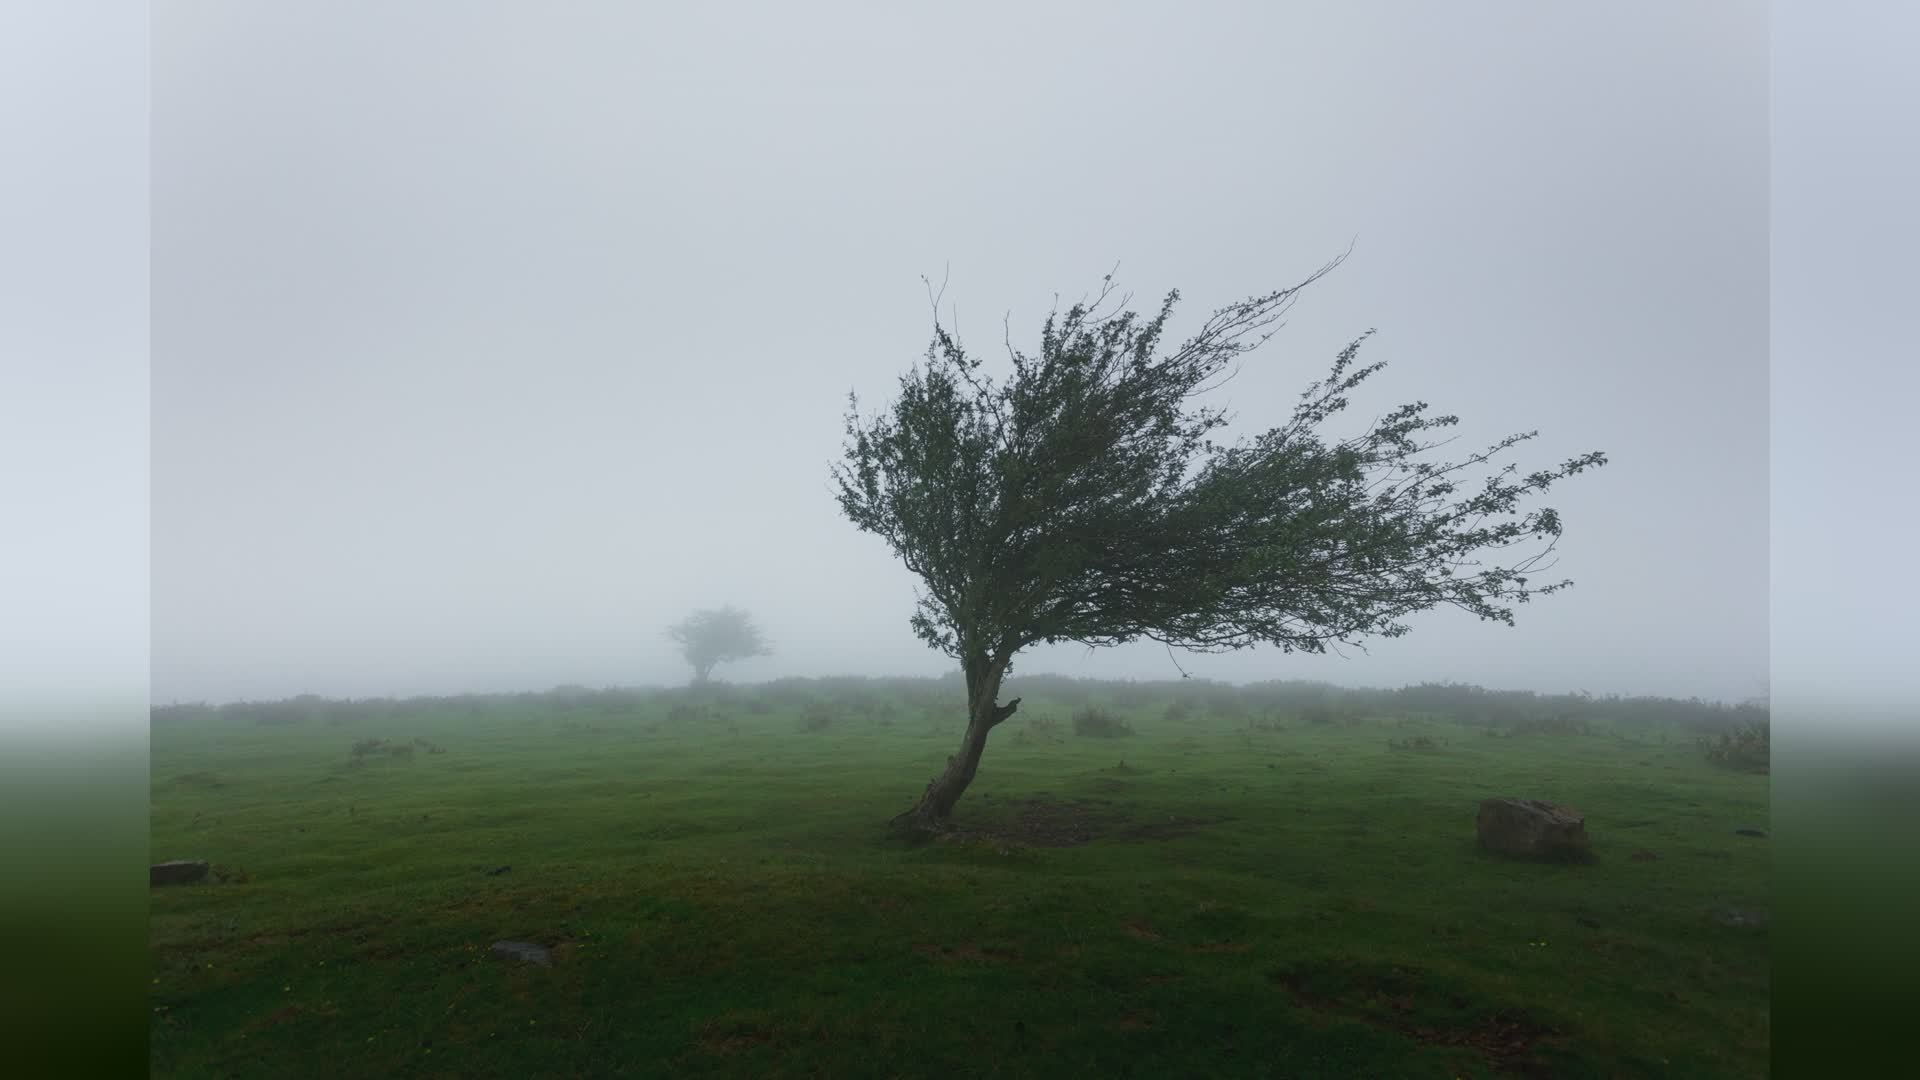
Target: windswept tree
x=717, y=636
x=1080, y=497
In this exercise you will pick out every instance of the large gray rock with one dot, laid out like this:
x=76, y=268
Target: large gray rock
x=1531, y=829
x=177, y=872
x=524, y=951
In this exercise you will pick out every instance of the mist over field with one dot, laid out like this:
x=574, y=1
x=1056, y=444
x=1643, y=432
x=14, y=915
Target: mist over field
x=583, y=596
x=485, y=347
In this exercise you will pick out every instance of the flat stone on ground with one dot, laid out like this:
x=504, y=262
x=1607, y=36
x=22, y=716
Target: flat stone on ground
x=525, y=951
x=177, y=872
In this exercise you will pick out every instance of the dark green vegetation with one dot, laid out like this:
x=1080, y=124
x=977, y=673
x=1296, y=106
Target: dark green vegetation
x=1083, y=498
x=1270, y=881
x=1748, y=747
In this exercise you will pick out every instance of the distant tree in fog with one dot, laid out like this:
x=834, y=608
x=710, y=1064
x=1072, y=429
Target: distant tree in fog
x=1083, y=499
x=717, y=636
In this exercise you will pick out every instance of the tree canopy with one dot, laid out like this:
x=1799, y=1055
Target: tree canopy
x=717, y=636
x=1082, y=497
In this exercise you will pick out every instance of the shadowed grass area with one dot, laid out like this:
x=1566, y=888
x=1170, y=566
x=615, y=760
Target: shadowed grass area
x=1208, y=897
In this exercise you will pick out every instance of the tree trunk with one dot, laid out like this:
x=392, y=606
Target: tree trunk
x=983, y=715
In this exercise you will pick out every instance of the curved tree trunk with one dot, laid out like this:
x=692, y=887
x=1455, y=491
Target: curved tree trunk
x=983, y=715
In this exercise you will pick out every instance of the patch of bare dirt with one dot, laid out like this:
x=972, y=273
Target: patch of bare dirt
x=735, y=1042
x=1045, y=823
x=1042, y=822
x=1505, y=1038
x=730, y=1036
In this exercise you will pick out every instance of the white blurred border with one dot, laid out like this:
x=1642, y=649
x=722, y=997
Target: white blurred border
x=1845, y=367
x=74, y=451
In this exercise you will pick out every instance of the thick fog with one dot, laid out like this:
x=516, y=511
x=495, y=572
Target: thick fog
x=490, y=339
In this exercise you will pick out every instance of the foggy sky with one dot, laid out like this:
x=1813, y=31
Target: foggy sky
x=489, y=339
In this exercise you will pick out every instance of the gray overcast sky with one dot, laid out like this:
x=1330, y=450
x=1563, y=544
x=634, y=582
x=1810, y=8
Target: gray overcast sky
x=488, y=339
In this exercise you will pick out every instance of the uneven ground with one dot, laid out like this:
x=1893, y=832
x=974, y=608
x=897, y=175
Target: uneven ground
x=1199, y=899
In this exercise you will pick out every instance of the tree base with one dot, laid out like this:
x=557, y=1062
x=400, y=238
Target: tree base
x=917, y=826
x=930, y=815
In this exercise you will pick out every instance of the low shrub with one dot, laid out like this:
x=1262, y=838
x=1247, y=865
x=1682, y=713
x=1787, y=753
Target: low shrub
x=1099, y=723
x=816, y=717
x=689, y=714
x=1747, y=748
x=367, y=748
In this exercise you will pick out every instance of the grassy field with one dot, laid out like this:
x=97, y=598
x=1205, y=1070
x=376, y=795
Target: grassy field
x=1213, y=895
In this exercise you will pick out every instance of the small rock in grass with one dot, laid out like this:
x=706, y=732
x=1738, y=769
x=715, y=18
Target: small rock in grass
x=1531, y=828
x=498, y=870
x=177, y=872
x=1740, y=917
x=524, y=951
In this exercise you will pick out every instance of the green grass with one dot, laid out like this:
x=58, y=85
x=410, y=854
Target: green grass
x=725, y=902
